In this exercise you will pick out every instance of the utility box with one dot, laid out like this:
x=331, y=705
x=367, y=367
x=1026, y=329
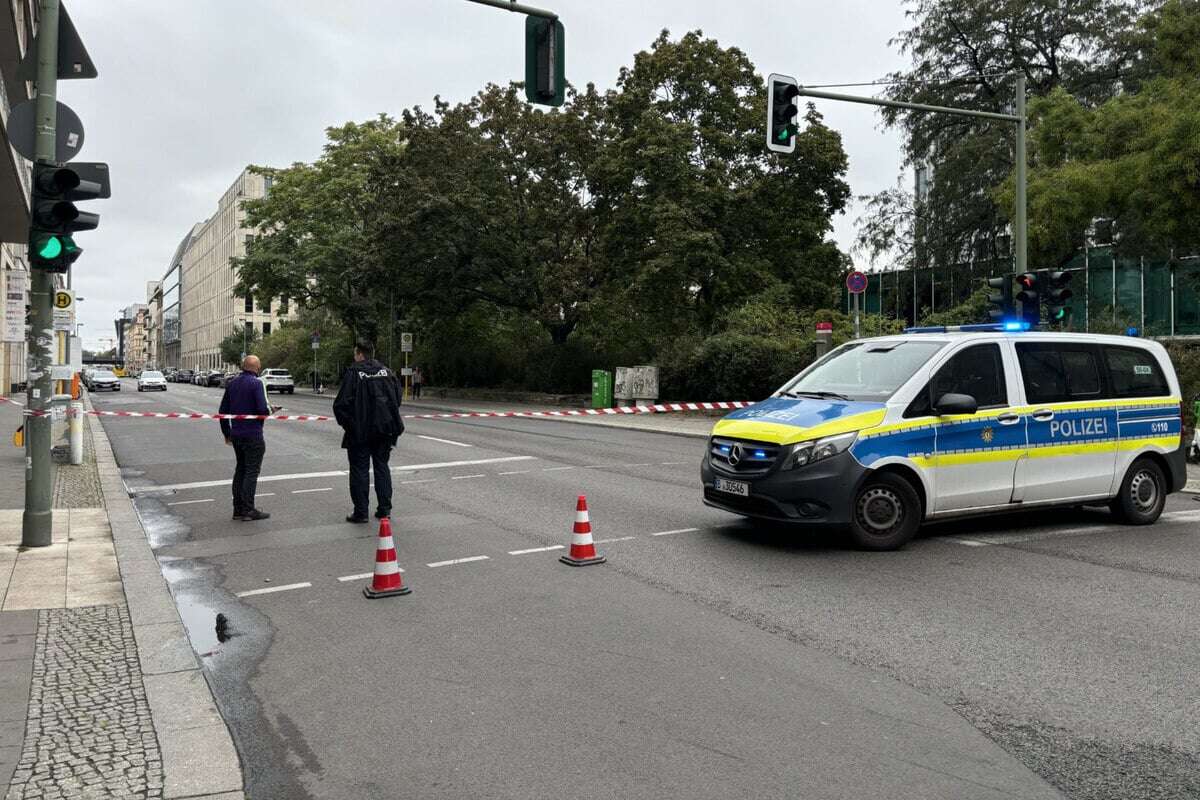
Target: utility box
x=602, y=388
x=637, y=384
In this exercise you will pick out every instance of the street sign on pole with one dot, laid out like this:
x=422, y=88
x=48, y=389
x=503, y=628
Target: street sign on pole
x=64, y=310
x=406, y=343
x=22, y=131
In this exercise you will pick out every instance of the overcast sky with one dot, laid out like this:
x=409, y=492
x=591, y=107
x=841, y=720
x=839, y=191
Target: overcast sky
x=191, y=92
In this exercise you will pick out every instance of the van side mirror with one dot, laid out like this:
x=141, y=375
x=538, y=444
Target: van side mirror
x=952, y=403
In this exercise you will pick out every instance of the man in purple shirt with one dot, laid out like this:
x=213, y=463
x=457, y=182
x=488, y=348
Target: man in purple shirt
x=246, y=394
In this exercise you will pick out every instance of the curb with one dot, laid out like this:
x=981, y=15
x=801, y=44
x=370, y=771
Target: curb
x=198, y=755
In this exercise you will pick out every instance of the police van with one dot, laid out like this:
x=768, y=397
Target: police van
x=882, y=434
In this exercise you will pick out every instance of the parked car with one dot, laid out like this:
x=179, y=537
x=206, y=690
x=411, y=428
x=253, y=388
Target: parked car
x=184, y=376
x=103, y=379
x=86, y=376
x=278, y=380
x=169, y=374
x=214, y=377
x=152, y=380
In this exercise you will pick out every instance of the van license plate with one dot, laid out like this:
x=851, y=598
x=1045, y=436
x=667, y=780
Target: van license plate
x=733, y=487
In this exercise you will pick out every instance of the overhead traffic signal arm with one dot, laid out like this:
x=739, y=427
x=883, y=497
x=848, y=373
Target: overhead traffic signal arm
x=783, y=112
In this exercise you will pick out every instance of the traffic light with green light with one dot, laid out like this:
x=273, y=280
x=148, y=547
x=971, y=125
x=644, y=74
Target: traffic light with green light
x=1030, y=297
x=54, y=216
x=1001, y=298
x=782, y=113
x=1058, y=295
x=545, y=61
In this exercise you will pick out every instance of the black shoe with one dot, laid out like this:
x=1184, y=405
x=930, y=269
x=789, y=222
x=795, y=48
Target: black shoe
x=357, y=520
x=254, y=514
x=382, y=514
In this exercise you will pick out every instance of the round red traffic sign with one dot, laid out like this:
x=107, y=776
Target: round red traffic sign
x=856, y=282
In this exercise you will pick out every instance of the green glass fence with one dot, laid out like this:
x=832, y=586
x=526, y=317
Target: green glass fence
x=1111, y=292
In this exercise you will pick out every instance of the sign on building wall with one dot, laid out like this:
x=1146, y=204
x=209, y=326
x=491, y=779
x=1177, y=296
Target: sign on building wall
x=15, y=288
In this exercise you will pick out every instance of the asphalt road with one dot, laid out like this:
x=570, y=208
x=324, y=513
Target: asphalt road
x=1042, y=655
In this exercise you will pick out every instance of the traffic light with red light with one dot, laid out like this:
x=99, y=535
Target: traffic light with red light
x=1030, y=297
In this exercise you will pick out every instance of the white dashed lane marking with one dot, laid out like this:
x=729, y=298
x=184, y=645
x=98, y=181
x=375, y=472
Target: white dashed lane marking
x=516, y=472
x=680, y=530
x=362, y=576
x=272, y=589
x=536, y=550
x=444, y=441
x=189, y=502
x=306, y=491
x=1169, y=518
x=617, y=539
x=457, y=561
x=555, y=469
x=464, y=477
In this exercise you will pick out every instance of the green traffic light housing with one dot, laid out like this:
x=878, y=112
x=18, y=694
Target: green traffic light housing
x=1058, y=295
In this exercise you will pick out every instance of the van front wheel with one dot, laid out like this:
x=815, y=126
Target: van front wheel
x=1143, y=493
x=886, y=513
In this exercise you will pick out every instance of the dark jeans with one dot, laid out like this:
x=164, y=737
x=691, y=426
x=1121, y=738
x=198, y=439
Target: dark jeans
x=416, y=391
x=249, y=454
x=362, y=458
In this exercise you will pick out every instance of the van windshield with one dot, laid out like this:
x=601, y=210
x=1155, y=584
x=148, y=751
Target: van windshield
x=870, y=370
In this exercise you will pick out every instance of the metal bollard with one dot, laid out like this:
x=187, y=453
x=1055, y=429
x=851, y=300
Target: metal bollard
x=75, y=427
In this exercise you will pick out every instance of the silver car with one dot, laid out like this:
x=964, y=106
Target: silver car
x=152, y=381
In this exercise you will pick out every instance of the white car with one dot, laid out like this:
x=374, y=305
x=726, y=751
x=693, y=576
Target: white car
x=278, y=380
x=152, y=381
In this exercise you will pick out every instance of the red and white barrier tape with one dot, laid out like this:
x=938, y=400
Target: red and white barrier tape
x=662, y=408
x=4, y=399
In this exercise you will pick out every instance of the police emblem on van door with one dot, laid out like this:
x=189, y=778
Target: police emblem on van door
x=987, y=434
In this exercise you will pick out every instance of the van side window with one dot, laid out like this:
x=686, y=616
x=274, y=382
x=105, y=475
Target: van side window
x=1134, y=372
x=1059, y=373
x=978, y=371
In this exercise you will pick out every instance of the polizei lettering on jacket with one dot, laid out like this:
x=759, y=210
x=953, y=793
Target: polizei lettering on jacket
x=1074, y=428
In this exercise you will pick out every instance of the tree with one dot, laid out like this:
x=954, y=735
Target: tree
x=697, y=214
x=1133, y=159
x=321, y=226
x=240, y=341
x=964, y=54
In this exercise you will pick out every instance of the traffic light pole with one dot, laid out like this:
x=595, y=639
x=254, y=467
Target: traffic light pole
x=36, y=523
x=1020, y=222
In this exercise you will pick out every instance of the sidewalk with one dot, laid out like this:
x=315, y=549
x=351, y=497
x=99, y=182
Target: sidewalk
x=100, y=692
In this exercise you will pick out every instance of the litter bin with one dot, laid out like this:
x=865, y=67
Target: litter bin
x=602, y=388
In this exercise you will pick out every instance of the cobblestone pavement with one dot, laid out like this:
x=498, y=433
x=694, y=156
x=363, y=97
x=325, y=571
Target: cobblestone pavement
x=77, y=486
x=89, y=732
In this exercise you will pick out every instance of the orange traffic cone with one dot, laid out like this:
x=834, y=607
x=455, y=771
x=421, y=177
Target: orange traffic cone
x=387, y=580
x=583, y=551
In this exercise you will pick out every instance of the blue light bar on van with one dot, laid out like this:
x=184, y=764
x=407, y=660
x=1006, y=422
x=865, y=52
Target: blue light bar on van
x=983, y=327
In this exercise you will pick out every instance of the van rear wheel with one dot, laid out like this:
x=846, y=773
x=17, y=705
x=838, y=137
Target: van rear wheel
x=1143, y=493
x=886, y=513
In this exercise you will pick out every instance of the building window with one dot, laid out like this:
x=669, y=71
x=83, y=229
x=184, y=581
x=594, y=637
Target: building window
x=266, y=307
x=266, y=329
x=249, y=330
x=249, y=304
x=283, y=305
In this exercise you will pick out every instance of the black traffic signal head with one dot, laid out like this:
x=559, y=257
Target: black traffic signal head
x=1001, y=297
x=54, y=216
x=1030, y=297
x=782, y=113
x=545, y=61
x=1058, y=295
